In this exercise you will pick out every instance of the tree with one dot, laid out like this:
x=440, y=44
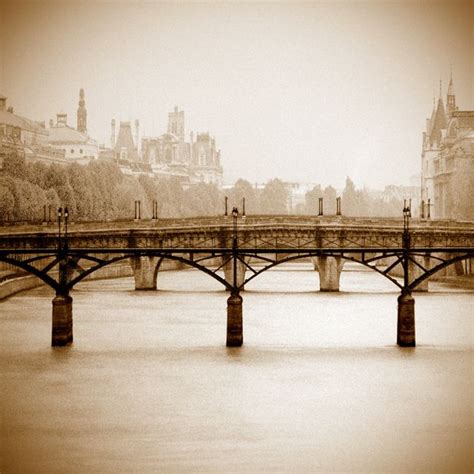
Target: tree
x=7, y=201
x=14, y=165
x=126, y=193
x=243, y=189
x=36, y=173
x=330, y=196
x=274, y=198
x=80, y=182
x=202, y=200
x=312, y=200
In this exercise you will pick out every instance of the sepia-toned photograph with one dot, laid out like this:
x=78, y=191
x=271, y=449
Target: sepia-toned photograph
x=236, y=236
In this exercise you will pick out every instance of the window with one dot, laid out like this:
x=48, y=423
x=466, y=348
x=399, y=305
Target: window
x=80, y=151
x=72, y=151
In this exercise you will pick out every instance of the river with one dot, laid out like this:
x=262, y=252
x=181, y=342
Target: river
x=319, y=385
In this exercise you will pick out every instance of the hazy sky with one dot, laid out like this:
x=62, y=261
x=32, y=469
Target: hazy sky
x=308, y=92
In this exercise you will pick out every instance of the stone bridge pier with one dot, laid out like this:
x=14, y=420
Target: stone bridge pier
x=229, y=271
x=145, y=270
x=415, y=271
x=234, y=320
x=62, y=320
x=329, y=269
x=406, y=321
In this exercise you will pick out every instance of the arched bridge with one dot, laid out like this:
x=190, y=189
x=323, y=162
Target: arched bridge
x=235, y=250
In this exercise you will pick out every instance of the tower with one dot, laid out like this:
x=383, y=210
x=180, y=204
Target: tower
x=451, y=98
x=137, y=133
x=176, y=123
x=112, y=134
x=82, y=113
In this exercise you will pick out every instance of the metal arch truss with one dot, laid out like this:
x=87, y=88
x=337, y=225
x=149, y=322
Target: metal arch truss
x=64, y=268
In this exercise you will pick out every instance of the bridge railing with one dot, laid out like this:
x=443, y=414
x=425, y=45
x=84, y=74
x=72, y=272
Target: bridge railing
x=126, y=224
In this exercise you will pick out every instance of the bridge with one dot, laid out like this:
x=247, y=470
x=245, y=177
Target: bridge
x=236, y=249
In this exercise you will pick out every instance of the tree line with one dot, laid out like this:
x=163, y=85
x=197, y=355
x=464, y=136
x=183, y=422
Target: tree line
x=100, y=191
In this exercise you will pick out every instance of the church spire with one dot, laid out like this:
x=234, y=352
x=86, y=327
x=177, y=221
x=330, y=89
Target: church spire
x=451, y=98
x=82, y=113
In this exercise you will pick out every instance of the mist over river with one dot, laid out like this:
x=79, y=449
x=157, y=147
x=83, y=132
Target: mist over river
x=318, y=386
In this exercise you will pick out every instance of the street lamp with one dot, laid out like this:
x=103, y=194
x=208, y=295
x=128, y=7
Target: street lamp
x=60, y=214
x=235, y=215
x=406, y=223
x=321, y=212
x=66, y=215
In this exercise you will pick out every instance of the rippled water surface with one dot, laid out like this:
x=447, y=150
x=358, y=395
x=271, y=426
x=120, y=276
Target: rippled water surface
x=318, y=386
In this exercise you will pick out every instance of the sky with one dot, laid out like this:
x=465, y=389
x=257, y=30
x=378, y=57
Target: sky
x=304, y=92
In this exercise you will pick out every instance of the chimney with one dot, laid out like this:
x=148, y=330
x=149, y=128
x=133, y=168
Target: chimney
x=51, y=123
x=3, y=102
x=112, y=135
x=137, y=134
x=61, y=119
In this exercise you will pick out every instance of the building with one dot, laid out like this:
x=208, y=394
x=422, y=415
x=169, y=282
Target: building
x=24, y=137
x=447, y=167
x=20, y=129
x=206, y=160
x=124, y=148
x=169, y=155
x=78, y=147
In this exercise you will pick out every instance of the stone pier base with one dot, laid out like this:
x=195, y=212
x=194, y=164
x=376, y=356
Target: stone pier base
x=234, y=321
x=240, y=274
x=406, y=321
x=144, y=271
x=62, y=320
x=415, y=272
x=329, y=269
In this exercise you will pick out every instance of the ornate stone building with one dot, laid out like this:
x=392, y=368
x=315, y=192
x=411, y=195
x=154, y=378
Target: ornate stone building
x=206, y=159
x=448, y=160
x=170, y=155
x=24, y=137
x=75, y=142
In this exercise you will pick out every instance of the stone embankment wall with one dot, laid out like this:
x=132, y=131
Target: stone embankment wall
x=13, y=281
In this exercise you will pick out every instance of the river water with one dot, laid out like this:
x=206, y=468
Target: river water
x=319, y=385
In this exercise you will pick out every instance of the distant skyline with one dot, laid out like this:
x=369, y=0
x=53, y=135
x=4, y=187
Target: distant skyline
x=309, y=92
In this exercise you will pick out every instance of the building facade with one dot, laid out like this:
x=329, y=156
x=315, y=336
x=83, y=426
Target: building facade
x=447, y=167
x=24, y=137
x=76, y=144
x=169, y=155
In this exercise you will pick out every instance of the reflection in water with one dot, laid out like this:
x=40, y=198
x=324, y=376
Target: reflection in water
x=319, y=385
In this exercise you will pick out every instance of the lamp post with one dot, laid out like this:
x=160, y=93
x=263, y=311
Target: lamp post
x=235, y=215
x=406, y=303
x=234, y=302
x=225, y=206
x=338, y=206
x=321, y=212
x=406, y=242
x=66, y=215
x=60, y=214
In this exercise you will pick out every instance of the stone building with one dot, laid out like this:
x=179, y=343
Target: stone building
x=448, y=161
x=75, y=142
x=20, y=129
x=24, y=137
x=206, y=160
x=169, y=155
